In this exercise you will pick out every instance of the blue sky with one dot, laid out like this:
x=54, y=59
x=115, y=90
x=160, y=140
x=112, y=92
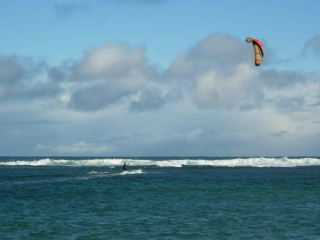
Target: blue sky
x=59, y=30
x=84, y=78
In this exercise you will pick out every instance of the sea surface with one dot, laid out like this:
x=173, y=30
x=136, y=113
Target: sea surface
x=159, y=198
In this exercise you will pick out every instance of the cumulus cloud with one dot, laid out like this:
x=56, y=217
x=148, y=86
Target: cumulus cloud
x=216, y=73
x=109, y=74
x=214, y=52
x=283, y=79
x=213, y=87
x=149, y=99
x=290, y=91
x=21, y=79
x=11, y=70
x=111, y=61
x=312, y=46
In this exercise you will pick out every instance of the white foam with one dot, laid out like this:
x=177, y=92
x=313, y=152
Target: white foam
x=132, y=172
x=97, y=173
x=117, y=162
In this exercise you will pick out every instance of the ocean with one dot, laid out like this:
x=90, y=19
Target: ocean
x=159, y=198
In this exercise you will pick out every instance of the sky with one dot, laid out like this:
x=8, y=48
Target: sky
x=159, y=78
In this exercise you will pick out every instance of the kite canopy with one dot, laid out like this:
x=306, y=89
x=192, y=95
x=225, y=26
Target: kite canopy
x=258, y=48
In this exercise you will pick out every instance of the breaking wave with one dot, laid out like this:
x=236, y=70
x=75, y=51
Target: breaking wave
x=117, y=162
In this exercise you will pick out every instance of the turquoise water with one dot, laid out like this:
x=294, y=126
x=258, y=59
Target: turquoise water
x=151, y=202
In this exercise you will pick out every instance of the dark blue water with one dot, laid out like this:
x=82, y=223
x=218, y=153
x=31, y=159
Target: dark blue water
x=62, y=202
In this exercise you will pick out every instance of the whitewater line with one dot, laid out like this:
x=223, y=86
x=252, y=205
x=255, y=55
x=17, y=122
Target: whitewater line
x=117, y=162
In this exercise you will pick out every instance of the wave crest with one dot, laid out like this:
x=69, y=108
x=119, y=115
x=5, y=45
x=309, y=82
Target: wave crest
x=116, y=162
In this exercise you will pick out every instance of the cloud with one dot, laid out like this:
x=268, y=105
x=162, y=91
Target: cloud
x=281, y=133
x=290, y=91
x=312, y=46
x=21, y=79
x=211, y=95
x=217, y=51
x=283, y=79
x=213, y=89
x=97, y=96
x=149, y=99
x=67, y=9
x=118, y=73
x=108, y=75
x=12, y=70
x=79, y=148
x=217, y=73
x=112, y=61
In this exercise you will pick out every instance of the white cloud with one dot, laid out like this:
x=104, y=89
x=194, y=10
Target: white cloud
x=79, y=148
x=211, y=95
x=108, y=75
x=213, y=89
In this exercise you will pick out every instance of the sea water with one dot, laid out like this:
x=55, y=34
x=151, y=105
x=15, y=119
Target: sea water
x=159, y=198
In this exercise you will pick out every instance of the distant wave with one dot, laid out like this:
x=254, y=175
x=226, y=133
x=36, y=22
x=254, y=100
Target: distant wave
x=116, y=162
